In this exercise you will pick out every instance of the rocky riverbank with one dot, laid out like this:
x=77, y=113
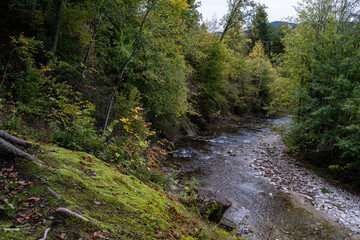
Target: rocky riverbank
x=271, y=194
x=306, y=188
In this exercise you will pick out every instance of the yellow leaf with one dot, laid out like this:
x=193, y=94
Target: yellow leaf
x=125, y=120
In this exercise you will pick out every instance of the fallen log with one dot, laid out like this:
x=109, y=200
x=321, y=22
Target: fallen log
x=14, y=140
x=8, y=148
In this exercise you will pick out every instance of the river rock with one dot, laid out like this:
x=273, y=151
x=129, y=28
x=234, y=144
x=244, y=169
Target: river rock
x=234, y=217
x=211, y=206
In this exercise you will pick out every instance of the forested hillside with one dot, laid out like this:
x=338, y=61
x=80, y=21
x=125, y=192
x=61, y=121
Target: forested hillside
x=100, y=59
x=81, y=73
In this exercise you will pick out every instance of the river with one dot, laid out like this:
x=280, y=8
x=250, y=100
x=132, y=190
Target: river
x=247, y=164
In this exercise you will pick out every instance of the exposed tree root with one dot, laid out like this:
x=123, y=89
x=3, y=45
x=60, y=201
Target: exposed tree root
x=15, y=229
x=45, y=234
x=8, y=148
x=57, y=196
x=67, y=211
x=14, y=140
x=19, y=229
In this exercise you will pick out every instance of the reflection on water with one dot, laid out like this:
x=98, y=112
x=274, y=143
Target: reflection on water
x=221, y=164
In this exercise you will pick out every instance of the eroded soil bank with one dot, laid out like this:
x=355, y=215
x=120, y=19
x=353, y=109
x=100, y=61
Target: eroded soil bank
x=248, y=165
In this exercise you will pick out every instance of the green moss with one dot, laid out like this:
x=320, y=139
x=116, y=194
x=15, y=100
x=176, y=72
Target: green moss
x=102, y=194
x=29, y=234
x=122, y=205
x=35, y=190
x=187, y=238
x=324, y=191
x=214, y=213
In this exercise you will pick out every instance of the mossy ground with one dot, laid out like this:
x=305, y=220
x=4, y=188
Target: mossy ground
x=123, y=206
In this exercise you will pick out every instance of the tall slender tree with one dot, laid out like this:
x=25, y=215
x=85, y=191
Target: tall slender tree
x=58, y=9
x=238, y=10
x=150, y=6
x=259, y=29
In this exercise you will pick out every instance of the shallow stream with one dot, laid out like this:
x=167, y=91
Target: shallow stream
x=246, y=164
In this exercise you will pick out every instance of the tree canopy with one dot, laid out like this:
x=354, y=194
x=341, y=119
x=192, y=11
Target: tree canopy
x=93, y=72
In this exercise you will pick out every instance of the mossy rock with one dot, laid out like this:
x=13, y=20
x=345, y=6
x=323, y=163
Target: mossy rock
x=212, y=207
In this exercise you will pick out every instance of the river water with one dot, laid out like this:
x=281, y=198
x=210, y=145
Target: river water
x=246, y=164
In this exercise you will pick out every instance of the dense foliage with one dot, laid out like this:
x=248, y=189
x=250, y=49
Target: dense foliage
x=94, y=75
x=322, y=59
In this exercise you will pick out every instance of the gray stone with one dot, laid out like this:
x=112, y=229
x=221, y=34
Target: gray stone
x=174, y=188
x=234, y=217
x=212, y=206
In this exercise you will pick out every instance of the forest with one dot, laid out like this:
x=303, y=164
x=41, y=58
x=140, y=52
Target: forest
x=85, y=73
x=122, y=79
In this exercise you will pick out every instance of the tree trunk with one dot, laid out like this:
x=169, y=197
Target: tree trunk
x=92, y=41
x=7, y=148
x=224, y=33
x=113, y=94
x=14, y=140
x=231, y=18
x=119, y=78
x=5, y=71
x=33, y=7
x=261, y=75
x=57, y=20
x=299, y=108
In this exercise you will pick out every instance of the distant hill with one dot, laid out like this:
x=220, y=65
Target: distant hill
x=277, y=23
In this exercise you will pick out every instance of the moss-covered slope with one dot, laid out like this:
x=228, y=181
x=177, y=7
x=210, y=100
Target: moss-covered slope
x=120, y=205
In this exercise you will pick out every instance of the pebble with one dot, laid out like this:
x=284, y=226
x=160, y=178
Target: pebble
x=280, y=170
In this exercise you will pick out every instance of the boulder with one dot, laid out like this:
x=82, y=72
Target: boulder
x=235, y=217
x=211, y=206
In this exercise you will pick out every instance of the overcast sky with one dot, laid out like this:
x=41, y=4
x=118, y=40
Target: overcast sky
x=277, y=9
